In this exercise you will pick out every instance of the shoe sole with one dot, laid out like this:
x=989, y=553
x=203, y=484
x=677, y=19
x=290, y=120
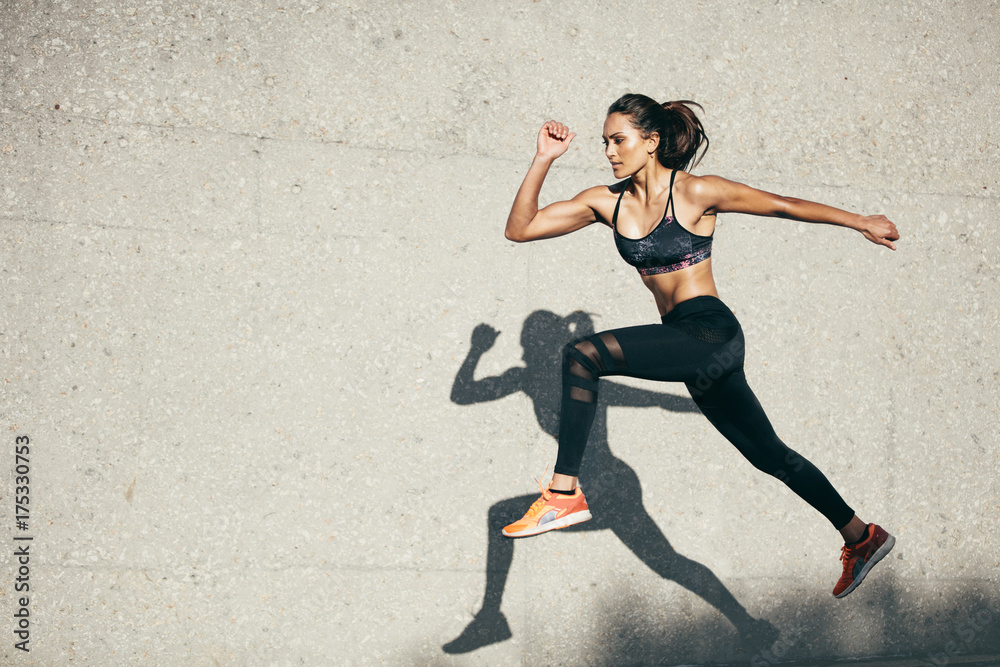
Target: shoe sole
x=879, y=554
x=568, y=520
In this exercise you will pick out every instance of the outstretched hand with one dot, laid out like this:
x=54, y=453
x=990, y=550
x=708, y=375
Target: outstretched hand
x=553, y=139
x=880, y=230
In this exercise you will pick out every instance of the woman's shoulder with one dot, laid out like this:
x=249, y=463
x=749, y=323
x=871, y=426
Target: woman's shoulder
x=601, y=192
x=700, y=187
x=700, y=183
x=602, y=199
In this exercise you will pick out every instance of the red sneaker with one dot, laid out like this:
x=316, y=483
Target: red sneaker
x=551, y=511
x=861, y=557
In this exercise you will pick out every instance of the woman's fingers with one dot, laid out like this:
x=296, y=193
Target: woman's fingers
x=556, y=130
x=887, y=243
x=889, y=232
x=882, y=231
x=554, y=138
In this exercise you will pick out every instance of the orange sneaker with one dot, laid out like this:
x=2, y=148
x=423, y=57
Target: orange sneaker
x=550, y=512
x=860, y=558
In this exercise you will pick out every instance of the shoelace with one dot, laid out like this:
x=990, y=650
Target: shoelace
x=537, y=506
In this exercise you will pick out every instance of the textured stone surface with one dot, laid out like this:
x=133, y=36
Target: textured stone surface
x=243, y=249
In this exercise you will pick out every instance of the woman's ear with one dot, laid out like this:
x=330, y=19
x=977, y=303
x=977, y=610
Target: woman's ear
x=652, y=143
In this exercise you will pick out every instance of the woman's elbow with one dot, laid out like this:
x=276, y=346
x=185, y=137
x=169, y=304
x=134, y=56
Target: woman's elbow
x=515, y=234
x=784, y=207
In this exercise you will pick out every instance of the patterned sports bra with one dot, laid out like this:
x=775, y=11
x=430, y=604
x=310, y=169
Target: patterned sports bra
x=669, y=247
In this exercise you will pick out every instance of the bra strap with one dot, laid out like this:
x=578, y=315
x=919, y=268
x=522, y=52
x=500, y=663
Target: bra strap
x=670, y=197
x=614, y=219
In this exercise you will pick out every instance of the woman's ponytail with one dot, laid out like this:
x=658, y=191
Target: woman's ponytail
x=679, y=148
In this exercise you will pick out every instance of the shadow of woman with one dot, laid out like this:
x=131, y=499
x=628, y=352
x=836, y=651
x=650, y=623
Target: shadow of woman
x=613, y=489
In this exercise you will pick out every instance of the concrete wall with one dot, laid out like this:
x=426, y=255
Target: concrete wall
x=244, y=249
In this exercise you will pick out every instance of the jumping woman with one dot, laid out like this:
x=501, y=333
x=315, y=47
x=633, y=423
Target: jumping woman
x=662, y=219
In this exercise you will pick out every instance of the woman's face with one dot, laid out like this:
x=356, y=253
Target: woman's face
x=624, y=146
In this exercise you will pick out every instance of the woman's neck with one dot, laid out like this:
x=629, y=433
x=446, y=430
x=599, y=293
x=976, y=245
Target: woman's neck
x=650, y=182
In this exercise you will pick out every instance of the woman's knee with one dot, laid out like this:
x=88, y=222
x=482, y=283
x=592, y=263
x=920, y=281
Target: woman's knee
x=582, y=359
x=779, y=461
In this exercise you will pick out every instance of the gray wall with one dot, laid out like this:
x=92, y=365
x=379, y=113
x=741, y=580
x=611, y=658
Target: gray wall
x=242, y=262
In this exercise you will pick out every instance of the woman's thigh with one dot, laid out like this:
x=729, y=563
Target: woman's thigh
x=667, y=354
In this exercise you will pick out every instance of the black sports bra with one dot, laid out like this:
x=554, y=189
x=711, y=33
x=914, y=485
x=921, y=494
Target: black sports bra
x=669, y=247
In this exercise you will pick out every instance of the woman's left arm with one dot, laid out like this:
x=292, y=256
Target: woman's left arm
x=723, y=196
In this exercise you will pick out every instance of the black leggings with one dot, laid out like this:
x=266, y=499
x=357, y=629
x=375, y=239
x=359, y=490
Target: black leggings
x=699, y=343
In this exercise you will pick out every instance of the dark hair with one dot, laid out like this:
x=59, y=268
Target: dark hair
x=681, y=133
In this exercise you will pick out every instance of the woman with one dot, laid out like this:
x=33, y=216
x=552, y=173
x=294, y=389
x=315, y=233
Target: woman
x=699, y=341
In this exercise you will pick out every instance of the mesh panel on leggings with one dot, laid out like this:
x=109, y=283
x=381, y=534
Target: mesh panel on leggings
x=706, y=334
x=591, y=361
x=615, y=350
x=581, y=365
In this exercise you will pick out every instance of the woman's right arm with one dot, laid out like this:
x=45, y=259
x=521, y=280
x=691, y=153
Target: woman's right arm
x=526, y=222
